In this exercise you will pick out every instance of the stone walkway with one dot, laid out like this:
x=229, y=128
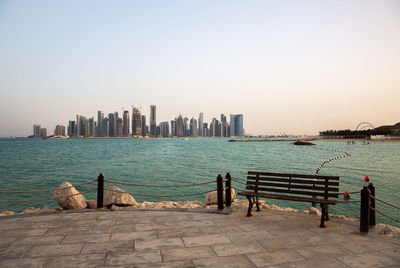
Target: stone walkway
x=165, y=238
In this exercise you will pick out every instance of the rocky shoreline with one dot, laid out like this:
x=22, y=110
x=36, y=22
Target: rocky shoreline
x=70, y=199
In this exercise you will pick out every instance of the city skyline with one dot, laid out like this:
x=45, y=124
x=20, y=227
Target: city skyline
x=294, y=67
x=114, y=126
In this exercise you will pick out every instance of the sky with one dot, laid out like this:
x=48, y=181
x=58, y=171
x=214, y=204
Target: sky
x=293, y=67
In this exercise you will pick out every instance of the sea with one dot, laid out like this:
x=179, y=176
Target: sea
x=36, y=164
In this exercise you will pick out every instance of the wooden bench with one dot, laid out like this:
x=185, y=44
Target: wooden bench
x=292, y=187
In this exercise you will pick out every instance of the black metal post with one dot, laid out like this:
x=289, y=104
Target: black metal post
x=364, y=210
x=228, y=190
x=220, y=192
x=372, y=220
x=100, y=190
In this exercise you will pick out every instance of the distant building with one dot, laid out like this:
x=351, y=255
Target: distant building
x=201, y=119
x=144, y=127
x=59, y=130
x=236, y=125
x=164, y=129
x=36, y=131
x=205, y=130
x=173, y=129
x=193, y=128
x=105, y=127
x=43, y=132
x=393, y=130
x=153, y=120
x=71, y=129
x=119, y=128
x=112, y=122
x=136, y=122
x=125, y=124
x=100, y=117
x=185, y=127
x=81, y=125
x=223, y=118
x=179, y=126
x=91, y=127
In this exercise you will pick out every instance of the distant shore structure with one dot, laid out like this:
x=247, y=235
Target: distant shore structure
x=134, y=125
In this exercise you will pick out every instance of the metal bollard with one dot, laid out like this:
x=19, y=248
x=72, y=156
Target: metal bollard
x=220, y=192
x=364, y=210
x=100, y=191
x=372, y=221
x=228, y=190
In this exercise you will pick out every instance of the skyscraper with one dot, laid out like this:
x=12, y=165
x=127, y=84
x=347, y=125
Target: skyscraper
x=173, y=129
x=201, y=124
x=153, y=120
x=125, y=124
x=59, y=130
x=119, y=128
x=136, y=122
x=91, y=127
x=116, y=117
x=43, y=132
x=81, y=125
x=36, y=131
x=144, y=127
x=193, y=127
x=100, y=116
x=111, y=125
x=105, y=127
x=179, y=126
x=236, y=125
x=164, y=129
x=71, y=129
x=223, y=118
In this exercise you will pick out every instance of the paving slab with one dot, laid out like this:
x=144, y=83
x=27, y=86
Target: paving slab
x=173, y=238
x=187, y=253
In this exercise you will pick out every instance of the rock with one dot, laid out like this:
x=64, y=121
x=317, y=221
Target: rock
x=303, y=143
x=77, y=201
x=32, y=210
x=114, y=208
x=314, y=211
x=91, y=204
x=7, y=213
x=212, y=199
x=119, y=197
x=384, y=229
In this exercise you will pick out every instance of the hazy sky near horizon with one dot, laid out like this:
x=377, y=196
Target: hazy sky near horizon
x=294, y=67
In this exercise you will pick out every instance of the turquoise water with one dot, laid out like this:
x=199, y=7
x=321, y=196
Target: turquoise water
x=27, y=164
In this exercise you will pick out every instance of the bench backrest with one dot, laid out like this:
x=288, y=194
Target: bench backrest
x=294, y=184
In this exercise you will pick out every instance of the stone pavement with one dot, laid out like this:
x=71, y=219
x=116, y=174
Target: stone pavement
x=189, y=238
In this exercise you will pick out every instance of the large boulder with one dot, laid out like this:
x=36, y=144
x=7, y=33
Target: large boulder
x=119, y=197
x=212, y=198
x=68, y=197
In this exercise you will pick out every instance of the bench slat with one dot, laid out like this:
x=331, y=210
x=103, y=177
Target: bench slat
x=293, y=175
x=311, y=182
x=295, y=186
x=291, y=198
x=251, y=187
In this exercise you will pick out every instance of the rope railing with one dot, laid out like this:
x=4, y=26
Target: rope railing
x=152, y=195
x=161, y=186
x=48, y=190
x=383, y=214
x=238, y=181
x=384, y=202
x=49, y=198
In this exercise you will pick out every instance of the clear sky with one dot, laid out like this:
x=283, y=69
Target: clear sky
x=294, y=67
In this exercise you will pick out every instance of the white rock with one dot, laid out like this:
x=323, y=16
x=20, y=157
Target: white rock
x=212, y=198
x=384, y=229
x=119, y=197
x=7, y=213
x=91, y=204
x=77, y=201
x=314, y=211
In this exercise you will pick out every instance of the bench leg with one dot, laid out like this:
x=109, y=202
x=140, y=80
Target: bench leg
x=327, y=213
x=257, y=205
x=323, y=215
x=251, y=203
